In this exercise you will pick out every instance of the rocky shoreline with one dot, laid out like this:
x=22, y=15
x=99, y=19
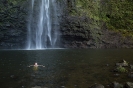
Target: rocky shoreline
x=112, y=85
x=124, y=68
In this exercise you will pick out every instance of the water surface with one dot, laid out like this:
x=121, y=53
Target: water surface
x=69, y=68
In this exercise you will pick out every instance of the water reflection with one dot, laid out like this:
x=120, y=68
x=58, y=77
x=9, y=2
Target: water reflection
x=78, y=68
x=49, y=75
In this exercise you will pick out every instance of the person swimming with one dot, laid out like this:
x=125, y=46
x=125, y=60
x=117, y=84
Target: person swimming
x=36, y=65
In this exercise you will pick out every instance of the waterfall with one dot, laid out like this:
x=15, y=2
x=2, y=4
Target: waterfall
x=43, y=24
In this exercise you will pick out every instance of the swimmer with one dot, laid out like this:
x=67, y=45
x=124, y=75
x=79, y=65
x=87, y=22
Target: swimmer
x=36, y=65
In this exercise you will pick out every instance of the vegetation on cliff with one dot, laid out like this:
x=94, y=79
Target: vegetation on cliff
x=116, y=16
x=87, y=23
x=12, y=23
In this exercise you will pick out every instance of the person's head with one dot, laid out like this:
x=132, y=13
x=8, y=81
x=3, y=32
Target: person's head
x=35, y=63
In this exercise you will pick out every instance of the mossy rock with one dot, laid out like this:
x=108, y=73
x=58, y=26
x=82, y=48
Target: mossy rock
x=121, y=69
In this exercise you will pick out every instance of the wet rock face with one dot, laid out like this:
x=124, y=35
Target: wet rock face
x=75, y=33
x=12, y=25
x=100, y=34
x=112, y=39
x=12, y=39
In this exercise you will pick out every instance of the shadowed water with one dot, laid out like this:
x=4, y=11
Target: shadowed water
x=69, y=68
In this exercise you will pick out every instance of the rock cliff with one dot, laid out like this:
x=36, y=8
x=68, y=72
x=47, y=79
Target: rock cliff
x=83, y=23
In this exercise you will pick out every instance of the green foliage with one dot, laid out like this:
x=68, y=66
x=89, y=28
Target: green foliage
x=117, y=15
x=91, y=9
x=121, y=14
x=6, y=5
x=121, y=69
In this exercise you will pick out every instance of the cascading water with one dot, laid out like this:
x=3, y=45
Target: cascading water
x=43, y=24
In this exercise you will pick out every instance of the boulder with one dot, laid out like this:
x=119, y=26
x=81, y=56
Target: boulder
x=39, y=87
x=124, y=63
x=129, y=85
x=117, y=85
x=97, y=86
x=36, y=87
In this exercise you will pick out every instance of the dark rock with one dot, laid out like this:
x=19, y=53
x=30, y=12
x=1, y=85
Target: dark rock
x=13, y=25
x=14, y=77
x=117, y=85
x=39, y=87
x=129, y=85
x=116, y=75
x=107, y=64
x=62, y=86
x=131, y=67
x=112, y=39
x=130, y=75
x=74, y=33
x=23, y=86
x=36, y=87
x=1, y=35
x=123, y=63
x=14, y=16
x=8, y=25
x=97, y=86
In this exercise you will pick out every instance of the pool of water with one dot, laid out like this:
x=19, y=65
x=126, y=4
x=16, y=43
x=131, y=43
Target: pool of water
x=69, y=68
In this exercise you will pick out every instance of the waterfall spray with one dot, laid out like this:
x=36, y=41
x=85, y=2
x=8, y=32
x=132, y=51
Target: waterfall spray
x=43, y=25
